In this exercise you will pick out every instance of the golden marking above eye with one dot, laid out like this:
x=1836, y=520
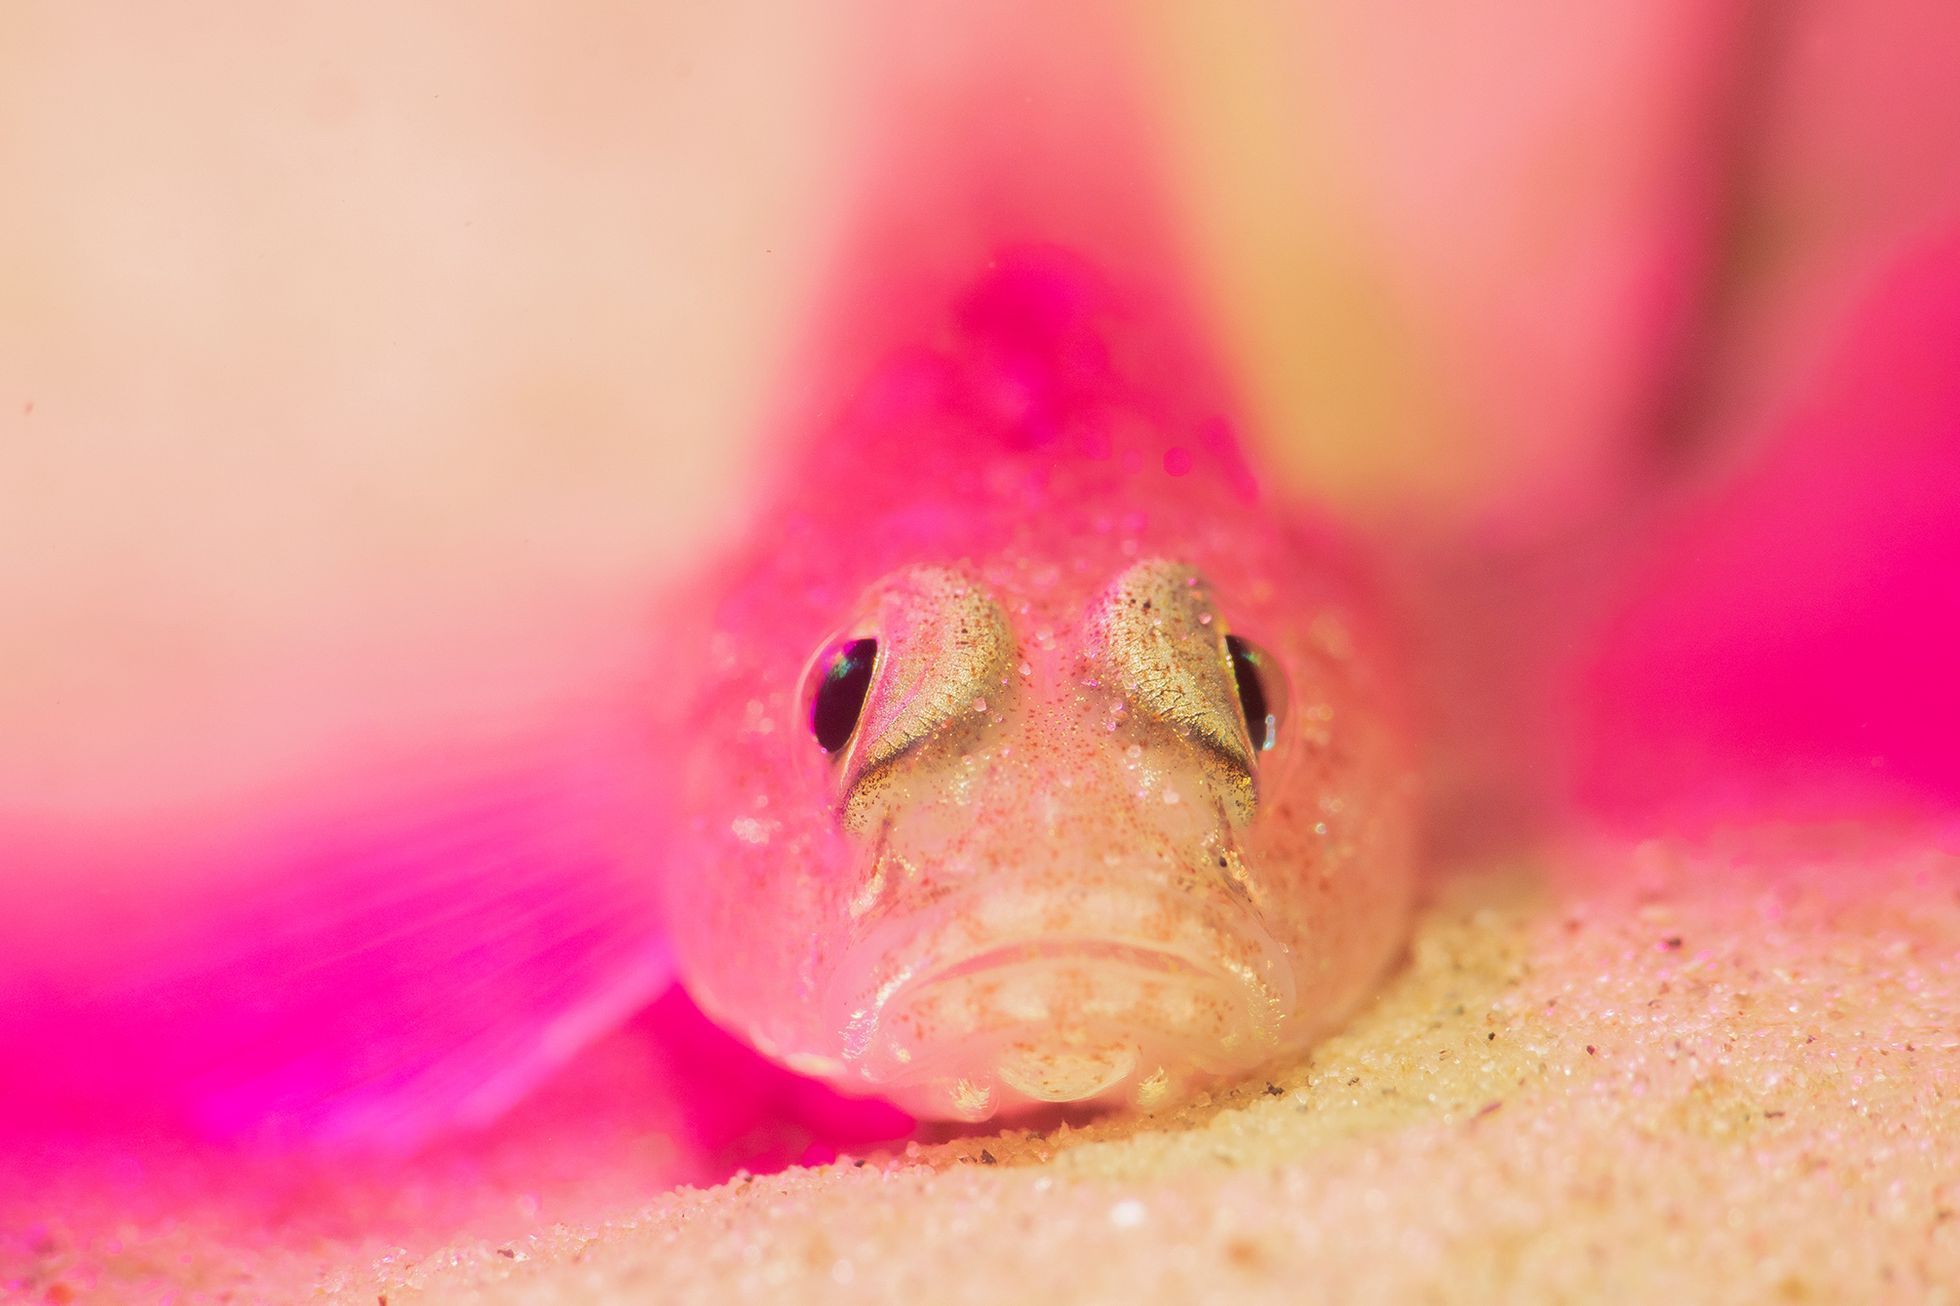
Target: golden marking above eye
x=944, y=647
x=1158, y=629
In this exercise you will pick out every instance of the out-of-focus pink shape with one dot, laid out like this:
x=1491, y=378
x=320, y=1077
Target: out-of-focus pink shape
x=667, y=1100
x=1499, y=270
x=1458, y=257
x=1855, y=158
x=740, y=1110
x=1794, y=636
x=408, y=955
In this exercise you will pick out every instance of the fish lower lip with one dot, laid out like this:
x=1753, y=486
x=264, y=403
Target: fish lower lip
x=938, y=1009
x=1111, y=951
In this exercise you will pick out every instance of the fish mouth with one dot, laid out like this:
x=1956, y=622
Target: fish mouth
x=997, y=1003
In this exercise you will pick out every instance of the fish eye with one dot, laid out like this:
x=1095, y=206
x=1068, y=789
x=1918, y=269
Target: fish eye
x=844, y=678
x=1257, y=695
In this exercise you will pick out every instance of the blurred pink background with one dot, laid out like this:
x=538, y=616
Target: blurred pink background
x=337, y=343
x=365, y=371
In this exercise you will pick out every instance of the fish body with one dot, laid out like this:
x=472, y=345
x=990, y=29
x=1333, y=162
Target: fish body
x=1033, y=756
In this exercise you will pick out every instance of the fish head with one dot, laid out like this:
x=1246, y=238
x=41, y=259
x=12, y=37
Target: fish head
x=1094, y=833
x=1052, y=901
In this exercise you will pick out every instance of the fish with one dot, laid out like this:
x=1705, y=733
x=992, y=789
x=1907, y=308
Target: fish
x=1037, y=755
x=1027, y=750
x=1023, y=749
x=1023, y=752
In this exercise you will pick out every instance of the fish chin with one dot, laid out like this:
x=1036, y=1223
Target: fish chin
x=967, y=1022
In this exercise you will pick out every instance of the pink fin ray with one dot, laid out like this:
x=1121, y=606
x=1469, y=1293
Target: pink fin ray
x=381, y=972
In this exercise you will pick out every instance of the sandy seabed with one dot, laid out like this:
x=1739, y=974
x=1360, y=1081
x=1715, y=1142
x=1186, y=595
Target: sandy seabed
x=1726, y=1074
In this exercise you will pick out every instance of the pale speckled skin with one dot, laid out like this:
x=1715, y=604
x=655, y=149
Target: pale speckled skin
x=1050, y=866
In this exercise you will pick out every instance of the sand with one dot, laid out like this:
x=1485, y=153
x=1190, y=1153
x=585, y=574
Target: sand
x=1725, y=1073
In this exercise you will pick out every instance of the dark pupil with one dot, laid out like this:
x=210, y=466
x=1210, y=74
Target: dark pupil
x=1252, y=691
x=840, y=695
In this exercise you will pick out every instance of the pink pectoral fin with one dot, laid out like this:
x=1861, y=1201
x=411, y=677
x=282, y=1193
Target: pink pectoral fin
x=373, y=977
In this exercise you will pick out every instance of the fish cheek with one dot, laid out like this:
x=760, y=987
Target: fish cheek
x=921, y=772
x=1337, y=822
